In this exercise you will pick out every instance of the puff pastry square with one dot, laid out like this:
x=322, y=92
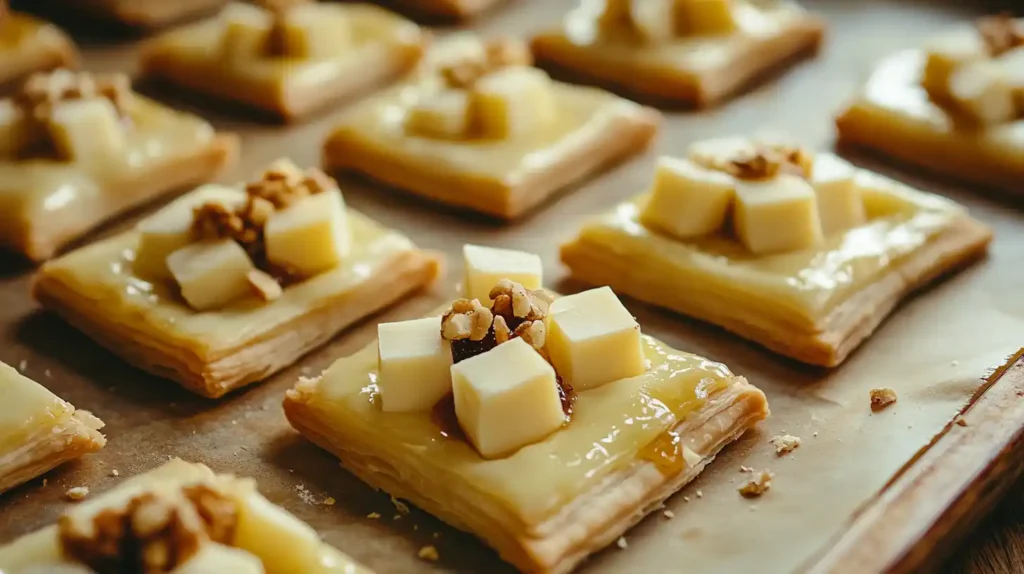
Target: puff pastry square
x=815, y=305
x=30, y=45
x=221, y=524
x=895, y=116
x=39, y=431
x=214, y=352
x=380, y=47
x=552, y=503
x=693, y=70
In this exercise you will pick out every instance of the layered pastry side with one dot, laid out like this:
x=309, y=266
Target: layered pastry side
x=29, y=45
x=39, y=431
x=800, y=252
x=480, y=128
x=225, y=287
x=672, y=52
x=78, y=149
x=180, y=518
x=289, y=58
x=545, y=426
x=446, y=9
x=955, y=107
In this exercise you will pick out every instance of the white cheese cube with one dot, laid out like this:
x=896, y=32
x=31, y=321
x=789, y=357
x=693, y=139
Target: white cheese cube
x=687, y=200
x=840, y=203
x=311, y=32
x=779, y=214
x=87, y=131
x=485, y=266
x=414, y=365
x=246, y=32
x=282, y=542
x=946, y=54
x=593, y=339
x=310, y=236
x=511, y=102
x=706, y=17
x=211, y=274
x=506, y=398
x=982, y=90
x=213, y=557
x=655, y=20
x=444, y=115
x=170, y=229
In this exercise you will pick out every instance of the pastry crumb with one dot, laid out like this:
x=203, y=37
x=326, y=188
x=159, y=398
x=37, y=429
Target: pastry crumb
x=429, y=552
x=815, y=433
x=304, y=494
x=47, y=373
x=45, y=481
x=757, y=485
x=373, y=515
x=882, y=398
x=955, y=364
x=400, y=506
x=700, y=494
x=960, y=421
x=77, y=493
x=784, y=443
x=621, y=542
x=669, y=514
x=746, y=469
x=23, y=365
x=686, y=499
x=329, y=501
x=115, y=473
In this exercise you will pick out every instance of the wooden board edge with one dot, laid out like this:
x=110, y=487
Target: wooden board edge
x=915, y=522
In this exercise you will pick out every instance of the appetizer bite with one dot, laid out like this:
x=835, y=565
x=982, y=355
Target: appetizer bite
x=487, y=415
x=692, y=52
x=179, y=518
x=480, y=128
x=39, y=431
x=225, y=287
x=77, y=149
x=800, y=252
x=28, y=45
x=956, y=107
x=291, y=58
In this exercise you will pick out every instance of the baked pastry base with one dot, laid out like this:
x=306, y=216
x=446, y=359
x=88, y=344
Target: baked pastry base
x=40, y=46
x=817, y=326
x=288, y=89
x=555, y=522
x=692, y=71
x=216, y=352
x=503, y=179
x=895, y=116
x=47, y=433
x=140, y=14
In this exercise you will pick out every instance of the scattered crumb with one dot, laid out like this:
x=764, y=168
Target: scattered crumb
x=77, y=493
x=396, y=517
x=400, y=506
x=115, y=473
x=757, y=485
x=815, y=433
x=415, y=526
x=234, y=422
x=784, y=443
x=45, y=481
x=955, y=364
x=669, y=514
x=959, y=420
x=437, y=535
x=429, y=553
x=700, y=494
x=881, y=398
x=47, y=373
x=373, y=515
x=686, y=499
x=753, y=507
x=23, y=365
x=304, y=494
x=621, y=542
x=746, y=469
x=329, y=501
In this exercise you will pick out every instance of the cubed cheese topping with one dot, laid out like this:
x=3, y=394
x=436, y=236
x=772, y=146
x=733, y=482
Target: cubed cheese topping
x=485, y=266
x=310, y=236
x=211, y=274
x=778, y=214
x=511, y=102
x=687, y=200
x=415, y=365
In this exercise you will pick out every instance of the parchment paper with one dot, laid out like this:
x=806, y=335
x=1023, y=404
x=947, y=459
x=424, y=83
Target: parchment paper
x=933, y=351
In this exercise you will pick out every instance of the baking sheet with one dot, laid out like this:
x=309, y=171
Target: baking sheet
x=933, y=351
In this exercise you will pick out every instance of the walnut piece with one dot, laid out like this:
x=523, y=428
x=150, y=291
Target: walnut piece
x=265, y=286
x=77, y=493
x=882, y=398
x=463, y=73
x=767, y=161
x=283, y=184
x=1000, y=33
x=784, y=443
x=43, y=91
x=757, y=485
x=466, y=319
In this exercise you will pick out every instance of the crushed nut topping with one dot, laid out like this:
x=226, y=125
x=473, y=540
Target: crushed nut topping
x=498, y=53
x=757, y=485
x=152, y=532
x=767, y=161
x=283, y=184
x=784, y=443
x=264, y=284
x=43, y=91
x=466, y=319
x=881, y=398
x=1000, y=33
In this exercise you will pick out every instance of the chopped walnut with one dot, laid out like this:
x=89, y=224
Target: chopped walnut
x=214, y=220
x=1000, y=33
x=498, y=53
x=264, y=285
x=43, y=91
x=77, y=493
x=757, y=485
x=522, y=311
x=881, y=398
x=767, y=161
x=784, y=443
x=283, y=184
x=466, y=319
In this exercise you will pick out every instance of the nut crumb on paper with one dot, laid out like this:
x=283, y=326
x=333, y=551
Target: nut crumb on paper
x=429, y=552
x=77, y=493
x=784, y=443
x=757, y=485
x=668, y=514
x=882, y=398
x=621, y=542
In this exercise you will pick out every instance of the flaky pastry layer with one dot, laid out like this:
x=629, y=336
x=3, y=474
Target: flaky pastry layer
x=50, y=447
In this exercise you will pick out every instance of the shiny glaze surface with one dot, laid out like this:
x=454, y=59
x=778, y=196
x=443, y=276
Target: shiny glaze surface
x=809, y=282
x=28, y=408
x=609, y=426
x=103, y=273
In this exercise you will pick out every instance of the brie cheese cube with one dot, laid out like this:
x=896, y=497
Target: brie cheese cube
x=687, y=200
x=310, y=236
x=593, y=339
x=506, y=398
x=982, y=90
x=511, y=102
x=839, y=198
x=211, y=274
x=87, y=131
x=485, y=266
x=246, y=32
x=282, y=542
x=213, y=557
x=706, y=17
x=311, y=33
x=444, y=115
x=779, y=214
x=170, y=229
x=414, y=365
x=946, y=54
x=655, y=20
